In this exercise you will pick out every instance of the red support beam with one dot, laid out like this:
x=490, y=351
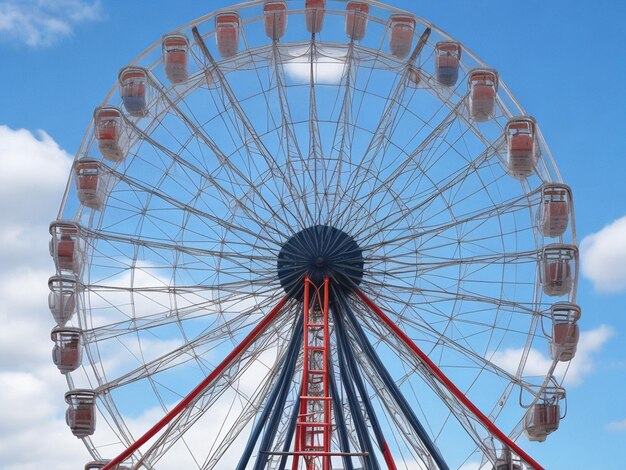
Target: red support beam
x=185, y=402
x=448, y=383
x=391, y=464
x=326, y=359
x=313, y=428
x=300, y=434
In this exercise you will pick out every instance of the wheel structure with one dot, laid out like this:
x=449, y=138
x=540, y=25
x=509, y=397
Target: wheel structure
x=312, y=235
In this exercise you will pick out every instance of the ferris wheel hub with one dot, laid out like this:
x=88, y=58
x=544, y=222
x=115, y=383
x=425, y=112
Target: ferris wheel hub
x=320, y=251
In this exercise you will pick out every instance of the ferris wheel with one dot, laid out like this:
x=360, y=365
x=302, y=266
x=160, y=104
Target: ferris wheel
x=312, y=235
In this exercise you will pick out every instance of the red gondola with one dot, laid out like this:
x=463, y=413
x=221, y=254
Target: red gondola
x=81, y=412
x=544, y=416
x=521, y=146
x=275, y=19
x=227, y=33
x=401, y=36
x=558, y=269
x=109, y=132
x=483, y=87
x=565, y=331
x=90, y=183
x=67, y=353
x=65, y=246
x=175, y=49
x=133, y=89
x=554, y=212
x=356, y=20
x=447, y=59
x=314, y=15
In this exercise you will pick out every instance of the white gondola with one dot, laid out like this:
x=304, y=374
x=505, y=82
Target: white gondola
x=522, y=146
x=507, y=461
x=356, y=20
x=275, y=18
x=565, y=331
x=67, y=352
x=91, y=182
x=554, y=211
x=447, y=59
x=110, y=133
x=544, y=416
x=65, y=246
x=227, y=33
x=81, y=412
x=100, y=464
x=62, y=298
x=401, y=35
x=133, y=82
x=558, y=269
x=483, y=88
x=314, y=15
x=175, y=50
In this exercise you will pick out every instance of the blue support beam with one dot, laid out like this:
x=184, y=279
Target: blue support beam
x=393, y=389
x=353, y=401
x=344, y=442
x=279, y=392
x=291, y=430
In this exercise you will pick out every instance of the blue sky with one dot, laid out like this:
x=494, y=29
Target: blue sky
x=564, y=61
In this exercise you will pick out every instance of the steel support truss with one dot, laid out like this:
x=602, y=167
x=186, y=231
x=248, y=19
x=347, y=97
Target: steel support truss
x=312, y=416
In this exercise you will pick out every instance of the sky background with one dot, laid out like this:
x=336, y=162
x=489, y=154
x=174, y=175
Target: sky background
x=564, y=61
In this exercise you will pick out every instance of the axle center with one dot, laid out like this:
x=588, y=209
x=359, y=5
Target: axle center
x=320, y=251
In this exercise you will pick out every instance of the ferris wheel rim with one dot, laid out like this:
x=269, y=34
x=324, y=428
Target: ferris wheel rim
x=144, y=242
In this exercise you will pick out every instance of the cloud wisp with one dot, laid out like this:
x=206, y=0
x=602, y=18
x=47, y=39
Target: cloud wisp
x=538, y=362
x=603, y=257
x=42, y=23
x=617, y=425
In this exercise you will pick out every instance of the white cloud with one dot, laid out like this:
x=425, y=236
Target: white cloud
x=35, y=170
x=617, y=425
x=39, y=23
x=603, y=257
x=33, y=176
x=326, y=71
x=328, y=64
x=36, y=156
x=25, y=319
x=538, y=363
x=590, y=343
x=31, y=388
x=33, y=411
